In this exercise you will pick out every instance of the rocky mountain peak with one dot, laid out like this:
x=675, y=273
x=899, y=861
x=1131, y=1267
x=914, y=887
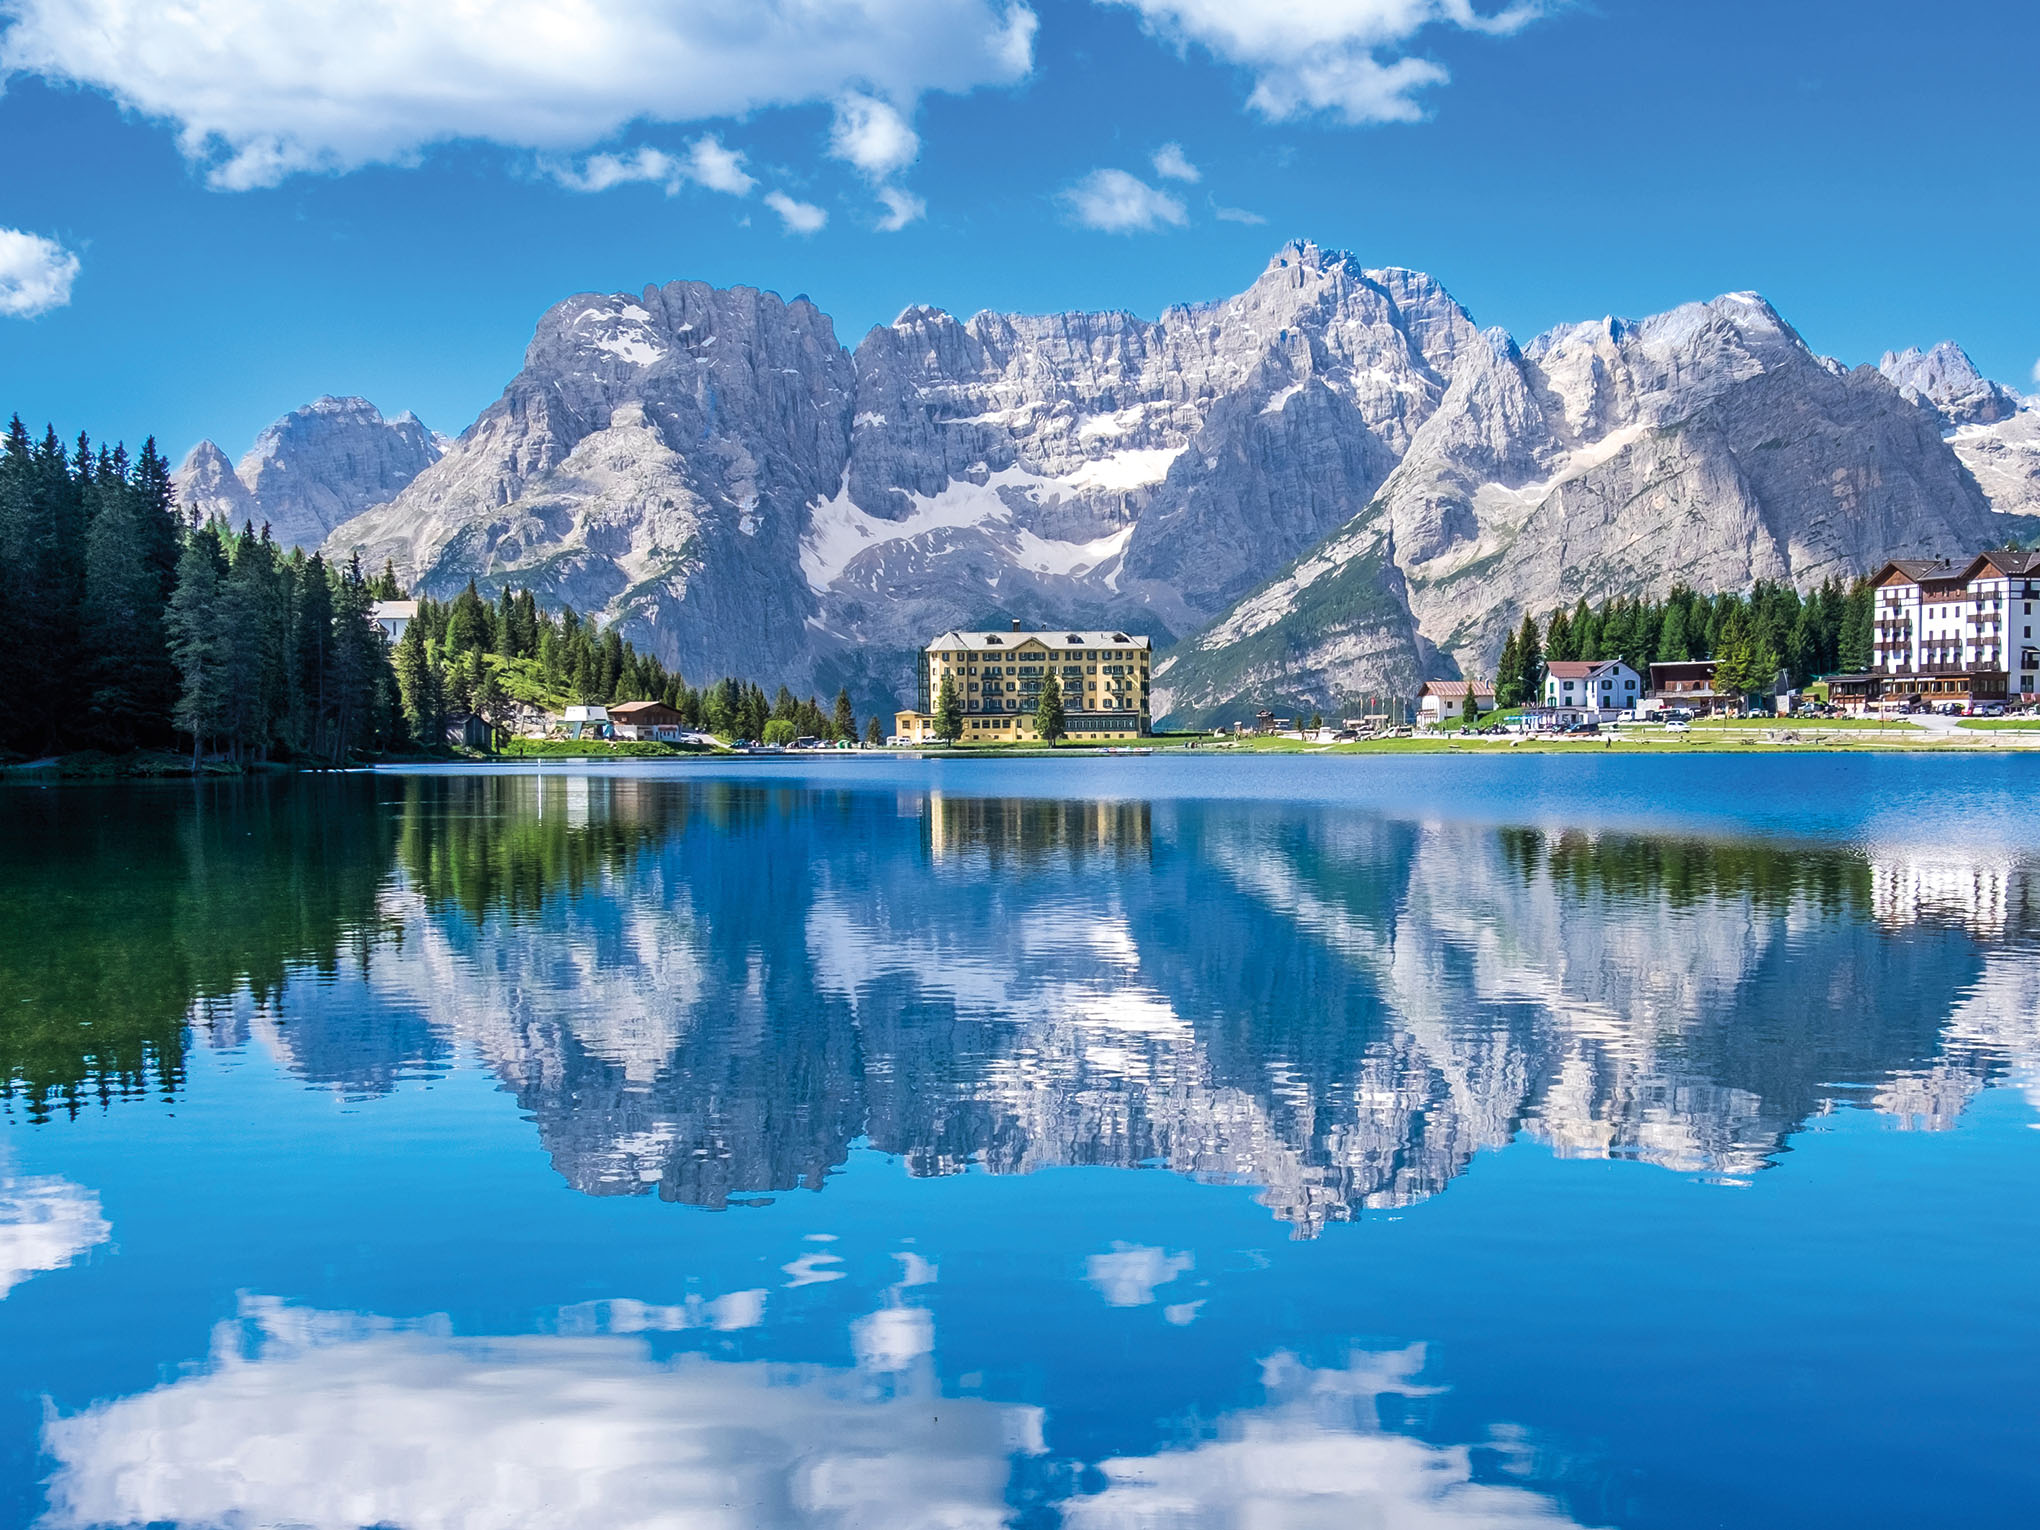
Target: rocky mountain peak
x=1329, y=484
x=1946, y=383
x=310, y=470
x=207, y=487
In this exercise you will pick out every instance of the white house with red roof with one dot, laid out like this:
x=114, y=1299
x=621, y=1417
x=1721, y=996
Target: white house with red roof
x=1596, y=689
x=1450, y=701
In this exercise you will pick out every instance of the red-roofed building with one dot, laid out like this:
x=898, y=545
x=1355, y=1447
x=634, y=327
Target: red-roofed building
x=1596, y=689
x=1449, y=701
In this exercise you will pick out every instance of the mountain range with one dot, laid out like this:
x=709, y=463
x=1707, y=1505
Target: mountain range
x=1331, y=485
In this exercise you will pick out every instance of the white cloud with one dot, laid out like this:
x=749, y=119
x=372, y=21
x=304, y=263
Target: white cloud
x=45, y=1223
x=1237, y=215
x=872, y=135
x=706, y=163
x=1118, y=203
x=1172, y=164
x=799, y=217
x=901, y=208
x=1128, y=1276
x=411, y=1426
x=35, y=274
x=719, y=169
x=2036, y=371
x=599, y=172
x=260, y=91
x=1343, y=56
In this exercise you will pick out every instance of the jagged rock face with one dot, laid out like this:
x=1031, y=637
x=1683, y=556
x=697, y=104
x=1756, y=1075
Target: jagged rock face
x=208, y=488
x=2004, y=458
x=1945, y=383
x=311, y=470
x=1706, y=446
x=712, y=470
x=1329, y=633
x=654, y=461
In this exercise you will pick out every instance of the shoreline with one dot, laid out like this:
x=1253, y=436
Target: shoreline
x=152, y=765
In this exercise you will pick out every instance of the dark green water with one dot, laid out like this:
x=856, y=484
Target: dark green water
x=1141, y=1142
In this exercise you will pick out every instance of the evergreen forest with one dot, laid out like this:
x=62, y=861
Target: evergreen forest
x=1752, y=637
x=136, y=629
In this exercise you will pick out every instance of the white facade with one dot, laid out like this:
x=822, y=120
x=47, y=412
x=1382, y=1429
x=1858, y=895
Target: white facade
x=1603, y=686
x=393, y=616
x=1951, y=622
x=1446, y=701
x=587, y=722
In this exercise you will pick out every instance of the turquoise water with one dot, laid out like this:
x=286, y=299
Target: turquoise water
x=1140, y=1142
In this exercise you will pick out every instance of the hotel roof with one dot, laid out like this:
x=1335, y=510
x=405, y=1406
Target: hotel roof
x=1048, y=637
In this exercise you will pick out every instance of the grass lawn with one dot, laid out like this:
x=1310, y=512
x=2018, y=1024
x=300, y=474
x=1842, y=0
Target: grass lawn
x=2003, y=724
x=593, y=749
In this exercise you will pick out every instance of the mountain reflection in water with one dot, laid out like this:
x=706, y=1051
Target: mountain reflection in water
x=710, y=989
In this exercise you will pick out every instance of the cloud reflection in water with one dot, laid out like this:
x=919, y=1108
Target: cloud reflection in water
x=331, y=1421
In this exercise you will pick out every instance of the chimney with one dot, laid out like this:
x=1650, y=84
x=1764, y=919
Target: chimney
x=1016, y=624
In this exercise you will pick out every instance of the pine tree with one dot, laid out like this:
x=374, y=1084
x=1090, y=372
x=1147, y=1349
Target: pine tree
x=1675, y=645
x=253, y=643
x=1558, y=638
x=1734, y=656
x=1509, y=673
x=874, y=732
x=418, y=689
x=1529, y=663
x=1854, y=639
x=1586, y=632
x=126, y=665
x=1051, y=721
x=844, y=720
x=197, y=647
x=948, y=712
x=361, y=683
x=468, y=623
x=308, y=667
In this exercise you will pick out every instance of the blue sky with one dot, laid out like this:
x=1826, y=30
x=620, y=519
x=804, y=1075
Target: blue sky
x=221, y=217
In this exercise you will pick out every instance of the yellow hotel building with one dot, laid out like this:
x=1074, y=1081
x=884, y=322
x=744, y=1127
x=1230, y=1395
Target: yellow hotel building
x=998, y=678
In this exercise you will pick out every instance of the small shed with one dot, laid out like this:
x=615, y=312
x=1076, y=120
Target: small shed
x=586, y=722
x=468, y=730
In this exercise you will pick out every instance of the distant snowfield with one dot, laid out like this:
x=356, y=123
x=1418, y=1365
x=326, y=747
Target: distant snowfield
x=838, y=531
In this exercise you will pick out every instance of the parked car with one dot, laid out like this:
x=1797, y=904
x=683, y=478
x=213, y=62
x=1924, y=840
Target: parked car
x=1678, y=725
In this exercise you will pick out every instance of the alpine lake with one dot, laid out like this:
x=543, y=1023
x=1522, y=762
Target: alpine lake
x=1385, y=1144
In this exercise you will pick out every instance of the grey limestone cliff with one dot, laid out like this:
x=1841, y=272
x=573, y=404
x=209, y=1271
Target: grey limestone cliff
x=1945, y=382
x=1707, y=446
x=310, y=470
x=1331, y=485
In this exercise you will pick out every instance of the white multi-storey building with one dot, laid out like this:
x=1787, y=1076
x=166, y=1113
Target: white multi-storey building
x=1947, y=631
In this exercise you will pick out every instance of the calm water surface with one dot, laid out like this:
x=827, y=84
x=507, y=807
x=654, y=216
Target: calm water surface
x=1461, y=1145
